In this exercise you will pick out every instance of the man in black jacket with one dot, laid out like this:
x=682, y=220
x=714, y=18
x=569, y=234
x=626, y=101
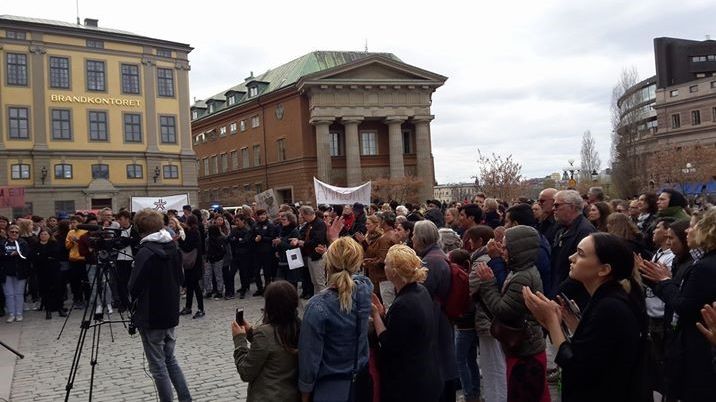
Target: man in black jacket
x=312, y=235
x=573, y=228
x=154, y=287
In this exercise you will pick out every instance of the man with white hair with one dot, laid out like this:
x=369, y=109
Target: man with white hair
x=574, y=227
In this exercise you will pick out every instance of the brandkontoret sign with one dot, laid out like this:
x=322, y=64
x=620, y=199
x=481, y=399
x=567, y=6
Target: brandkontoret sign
x=95, y=100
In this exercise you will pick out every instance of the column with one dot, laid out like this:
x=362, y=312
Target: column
x=423, y=153
x=39, y=107
x=323, y=155
x=149, y=119
x=354, y=173
x=395, y=139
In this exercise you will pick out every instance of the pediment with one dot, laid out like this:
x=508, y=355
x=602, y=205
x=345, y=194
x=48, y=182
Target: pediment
x=375, y=69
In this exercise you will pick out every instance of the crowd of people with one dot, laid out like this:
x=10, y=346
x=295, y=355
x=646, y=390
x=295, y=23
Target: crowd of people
x=612, y=299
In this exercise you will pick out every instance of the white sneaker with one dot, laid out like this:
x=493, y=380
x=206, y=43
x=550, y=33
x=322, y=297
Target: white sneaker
x=10, y=318
x=109, y=309
x=98, y=309
x=18, y=318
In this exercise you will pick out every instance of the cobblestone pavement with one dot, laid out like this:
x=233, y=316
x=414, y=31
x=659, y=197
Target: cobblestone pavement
x=204, y=350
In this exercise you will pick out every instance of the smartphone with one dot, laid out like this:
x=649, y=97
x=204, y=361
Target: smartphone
x=240, y=316
x=571, y=306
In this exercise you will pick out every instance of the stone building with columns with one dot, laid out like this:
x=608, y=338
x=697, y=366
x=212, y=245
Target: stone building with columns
x=343, y=117
x=91, y=116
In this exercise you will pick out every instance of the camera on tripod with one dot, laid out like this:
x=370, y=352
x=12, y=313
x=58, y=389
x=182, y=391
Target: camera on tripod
x=105, y=242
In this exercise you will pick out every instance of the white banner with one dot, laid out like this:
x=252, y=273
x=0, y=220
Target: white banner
x=161, y=204
x=267, y=201
x=332, y=195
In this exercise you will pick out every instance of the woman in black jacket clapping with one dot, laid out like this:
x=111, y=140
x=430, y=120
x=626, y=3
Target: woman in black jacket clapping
x=46, y=255
x=282, y=243
x=14, y=269
x=192, y=246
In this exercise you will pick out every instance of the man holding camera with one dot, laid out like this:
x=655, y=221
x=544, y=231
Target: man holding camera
x=154, y=286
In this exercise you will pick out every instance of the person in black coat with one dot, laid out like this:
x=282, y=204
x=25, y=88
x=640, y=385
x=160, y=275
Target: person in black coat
x=603, y=361
x=46, y=255
x=282, y=243
x=242, y=248
x=409, y=369
x=14, y=271
x=689, y=372
x=193, y=275
x=264, y=233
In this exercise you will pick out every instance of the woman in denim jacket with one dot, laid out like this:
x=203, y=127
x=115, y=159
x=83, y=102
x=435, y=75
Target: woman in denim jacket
x=327, y=342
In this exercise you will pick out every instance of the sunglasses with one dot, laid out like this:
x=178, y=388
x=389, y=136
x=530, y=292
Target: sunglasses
x=14, y=231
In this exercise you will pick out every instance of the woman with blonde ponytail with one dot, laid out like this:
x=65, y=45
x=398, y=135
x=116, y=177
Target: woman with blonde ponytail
x=333, y=343
x=407, y=334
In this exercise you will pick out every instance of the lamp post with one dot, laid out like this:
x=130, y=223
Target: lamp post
x=571, y=184
x=594, y=175
x=43, y=174
x=157, y=172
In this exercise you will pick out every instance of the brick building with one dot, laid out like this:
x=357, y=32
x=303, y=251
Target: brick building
x=343, y=117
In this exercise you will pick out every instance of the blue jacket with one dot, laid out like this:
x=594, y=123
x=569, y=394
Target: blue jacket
x=327, y=340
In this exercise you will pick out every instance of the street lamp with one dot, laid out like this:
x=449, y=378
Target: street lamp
x=572, y=170
x=595, y=175
x=43, y=174
x=157, y=172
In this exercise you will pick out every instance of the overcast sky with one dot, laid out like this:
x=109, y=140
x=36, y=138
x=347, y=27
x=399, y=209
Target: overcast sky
x=525, y=78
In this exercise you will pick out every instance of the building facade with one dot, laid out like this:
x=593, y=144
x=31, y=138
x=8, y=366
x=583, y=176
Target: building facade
x=92, y=116
x=458, y=192
x=343, y=117
x=670, y=119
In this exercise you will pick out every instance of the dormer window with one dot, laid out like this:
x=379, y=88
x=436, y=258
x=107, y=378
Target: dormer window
x=194, y=114
x=211, y=108
x=253, y=91
x=232, y=100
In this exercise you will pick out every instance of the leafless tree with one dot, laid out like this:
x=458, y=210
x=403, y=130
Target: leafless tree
x=590, y=157
x=500, y=177
x=625, y=117
x=402, y=190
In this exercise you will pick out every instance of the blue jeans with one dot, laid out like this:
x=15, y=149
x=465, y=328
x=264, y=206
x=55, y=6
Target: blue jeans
x=14, y=295
x=466, y=356
x=159, y=349
x=106, y=294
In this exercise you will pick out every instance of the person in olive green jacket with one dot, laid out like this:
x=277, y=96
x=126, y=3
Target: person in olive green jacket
x=270, y=365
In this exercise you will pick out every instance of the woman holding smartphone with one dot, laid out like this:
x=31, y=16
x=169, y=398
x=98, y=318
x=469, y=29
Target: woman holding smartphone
x=270, y=365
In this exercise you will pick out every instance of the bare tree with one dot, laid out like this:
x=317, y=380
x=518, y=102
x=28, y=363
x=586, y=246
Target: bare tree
x=625, y=117
x=590, y=157
x=500, y=177
x=402, y=190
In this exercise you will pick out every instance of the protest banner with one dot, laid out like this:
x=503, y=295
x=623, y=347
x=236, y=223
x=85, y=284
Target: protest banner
x=332, y=195
x=161, y=204
x=12, y=197
x=267, y=201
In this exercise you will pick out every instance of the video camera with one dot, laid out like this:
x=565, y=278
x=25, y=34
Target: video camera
x=104, y=241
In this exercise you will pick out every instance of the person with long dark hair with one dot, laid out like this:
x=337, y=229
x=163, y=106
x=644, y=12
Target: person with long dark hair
x=192, y=244
x=270, y=365
x=14, y=268
x=602, y=360
x=598, y=213
x=46, y=256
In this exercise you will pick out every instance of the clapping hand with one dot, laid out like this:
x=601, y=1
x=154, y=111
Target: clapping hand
x=568, y=317
x=484, y=272
x=360, y=237
x=334, y=230
x=494, y=248
x=544, y=310
x=653, y=271
x=709, y=330
x=377, y=306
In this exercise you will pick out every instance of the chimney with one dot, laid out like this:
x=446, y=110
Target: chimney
x=91, y=22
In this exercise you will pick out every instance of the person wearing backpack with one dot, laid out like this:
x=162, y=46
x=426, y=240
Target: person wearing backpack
x=425, y=239
x=512, y=323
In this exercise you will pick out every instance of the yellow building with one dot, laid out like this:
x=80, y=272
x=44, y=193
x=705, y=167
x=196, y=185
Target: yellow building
x=92, y=116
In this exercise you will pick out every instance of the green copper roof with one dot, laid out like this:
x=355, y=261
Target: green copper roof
x=289, y=73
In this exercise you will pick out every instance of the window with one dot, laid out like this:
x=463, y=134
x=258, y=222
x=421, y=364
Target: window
x=257, y=155
x=368, y=143
x=165, y=81
x=255, y=122
x=245, y=158
x=15, y=35
x=20, y=171
x=164, y=53
x=234, y=160
x=95, y=75
x=232, y=100
x=206, y=166
x=64, y=207
x=713, y=114
x=63, y=171
x=242, y=125
x=224, y=162
x=253, y=91
x=694, y=88
x=233, y=128
x=95, y=44
x=171, y=171
x=211, y=108
x=134, y=171
x=194, y=114
x=695, y=117
x=16, y=69
x=130, y=79
x=675, y=121
x=61, y=124
x=214, y=164
x=168, y=129
x=259, y=188
x=408, y=142
x=19, y=123
x=222, y=131
x=100, y=171
x=132, y=127
x=674, y=92
x=59, y=72
x=97, y=126
x=336, y=144
x=281, y=147
x=713, y=84
x=698, y=59
x=700, y=75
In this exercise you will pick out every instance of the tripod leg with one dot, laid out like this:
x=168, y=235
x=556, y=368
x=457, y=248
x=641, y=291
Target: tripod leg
x=94, y=354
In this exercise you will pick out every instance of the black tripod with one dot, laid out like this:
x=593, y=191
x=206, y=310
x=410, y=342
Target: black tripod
x=105, y=265
x=6, y=346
